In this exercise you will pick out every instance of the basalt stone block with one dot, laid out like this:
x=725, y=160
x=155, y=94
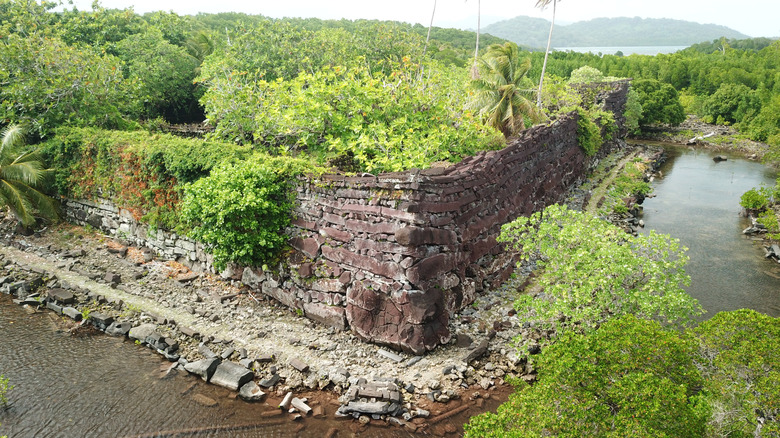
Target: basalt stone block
x=100, y=320
x=251, y=392
x=333, y=316
x=72, y=313
x=62, y=296
x=412, y=321
x=416, y=236
x=141, y=332
x=204, y=368
x=231, y=375
x=118, y=328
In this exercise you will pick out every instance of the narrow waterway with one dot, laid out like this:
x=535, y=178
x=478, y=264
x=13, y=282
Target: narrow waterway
x=697, y=201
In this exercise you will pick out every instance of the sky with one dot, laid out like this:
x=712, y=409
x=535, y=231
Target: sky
x=756, y=18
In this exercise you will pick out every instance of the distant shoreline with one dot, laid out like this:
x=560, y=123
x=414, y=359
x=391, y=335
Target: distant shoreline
x=626, y=50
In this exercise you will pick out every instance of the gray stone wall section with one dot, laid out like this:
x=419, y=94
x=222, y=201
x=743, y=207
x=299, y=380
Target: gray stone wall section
x=393, y=256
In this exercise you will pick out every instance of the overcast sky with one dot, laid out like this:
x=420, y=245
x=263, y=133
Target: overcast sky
x=755, y=18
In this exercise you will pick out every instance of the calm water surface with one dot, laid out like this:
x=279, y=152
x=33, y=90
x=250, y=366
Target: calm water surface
x=698, y=202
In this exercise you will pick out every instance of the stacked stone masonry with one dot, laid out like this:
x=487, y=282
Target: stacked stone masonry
x=393, y=256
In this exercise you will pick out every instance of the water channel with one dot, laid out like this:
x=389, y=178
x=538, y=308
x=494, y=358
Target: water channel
x=697, y=201
x=98, y=386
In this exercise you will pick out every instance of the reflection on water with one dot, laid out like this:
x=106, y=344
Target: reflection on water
x=698, y=202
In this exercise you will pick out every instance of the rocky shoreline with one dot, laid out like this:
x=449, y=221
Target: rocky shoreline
x=218, y=330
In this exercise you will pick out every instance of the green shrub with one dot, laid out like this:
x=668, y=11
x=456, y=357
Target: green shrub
x=241, y=210
x=592, y=271
x=740, y=359
x=755, y=199
x=631, y=377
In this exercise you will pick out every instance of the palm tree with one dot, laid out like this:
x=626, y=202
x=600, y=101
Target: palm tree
x=502, y=92
x=21, y=178
x=429, y=29
x=541, y=4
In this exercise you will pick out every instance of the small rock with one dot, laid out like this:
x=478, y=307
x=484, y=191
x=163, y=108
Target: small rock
x=203, y=400
x=251, y=392
x=299, y=365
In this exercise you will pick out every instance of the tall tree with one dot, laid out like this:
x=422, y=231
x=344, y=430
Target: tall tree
x=475, y=66
x=541, y=4
x=21, y=179
x=502, y=89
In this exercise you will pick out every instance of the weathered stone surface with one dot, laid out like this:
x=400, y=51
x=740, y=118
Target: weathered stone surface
x=62, y=296
x=416, y=236
x=203, y=368
x=251, y=392
x=412, y=321
x=477, y=352
x=299, y=365
x=231, y=375
x=100, y=320
x=251, y=278
x=300, y=405
x=72, y=313
x=119, y=328
x=271, y=381
x=113, y=278
x=333, y=316
x=141, y=332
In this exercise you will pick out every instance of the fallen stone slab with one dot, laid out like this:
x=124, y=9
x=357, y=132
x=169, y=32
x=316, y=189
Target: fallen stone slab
x=285, y=403
x=390, y=355
x=476, y=353
x=113, y=278
x=370, y=408
x=231, y=375
x=251, y=392
x=189, y=331
x=204, y=368
x=72, y=313
x=141, y=332
x=299, y=365
x=118, y=328
x=187, y=278
x=100, y=320
x=271, y=381
x=206, y=351
x=300, y=406
x=55, y=307
x=62, y=296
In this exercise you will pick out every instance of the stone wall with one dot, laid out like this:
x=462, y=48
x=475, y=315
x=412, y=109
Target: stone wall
x=393, y=256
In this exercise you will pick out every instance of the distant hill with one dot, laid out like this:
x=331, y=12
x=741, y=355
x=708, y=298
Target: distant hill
x=610, y=32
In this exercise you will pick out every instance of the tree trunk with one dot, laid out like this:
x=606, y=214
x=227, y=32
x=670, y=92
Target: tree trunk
x=544, y=64
x=429, y=29
x=474, y=68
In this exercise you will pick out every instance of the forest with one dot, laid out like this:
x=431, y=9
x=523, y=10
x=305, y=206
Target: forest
x=93, y=92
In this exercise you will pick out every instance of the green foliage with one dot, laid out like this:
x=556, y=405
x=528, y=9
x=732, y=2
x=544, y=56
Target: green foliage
x=139, y=171
x=4, y=388
x=592, y=271
x=755, y=199
x=163, y=73
x=23, y=179
x=632, y=112
x=740, y=360
x=731, y=103
x=660, y=103
x=46, y=83
x=502, y=94
x=241, y=210
x=590, y=125
x=629, y=378
x=769, y=220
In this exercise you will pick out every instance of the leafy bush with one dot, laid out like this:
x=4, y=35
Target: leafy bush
x=47, y=83
x=631, y=377
x=740, y=360
x=590, y=124
x=632, y=112
x=592, y=271
x=755, y=199
x=660, y=102
x=730, y=104
x=241, y=210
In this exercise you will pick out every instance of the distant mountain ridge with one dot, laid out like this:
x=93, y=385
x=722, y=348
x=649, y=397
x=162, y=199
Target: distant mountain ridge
x=610, y=32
